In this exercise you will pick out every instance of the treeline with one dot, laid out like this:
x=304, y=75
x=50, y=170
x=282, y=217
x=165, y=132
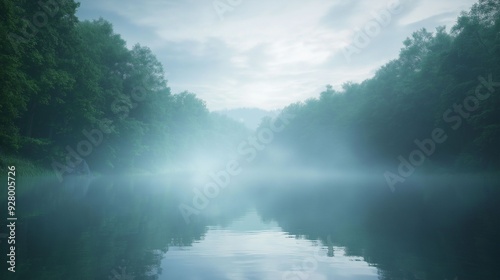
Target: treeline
x=439, y=99
x=72, y=88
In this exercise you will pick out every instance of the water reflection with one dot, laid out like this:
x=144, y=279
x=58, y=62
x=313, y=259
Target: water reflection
x=110, y=227
x=251, y=249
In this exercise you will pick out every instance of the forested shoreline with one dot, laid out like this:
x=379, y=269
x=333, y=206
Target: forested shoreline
x=72, y=87
x=72, y=90
x=444, y=87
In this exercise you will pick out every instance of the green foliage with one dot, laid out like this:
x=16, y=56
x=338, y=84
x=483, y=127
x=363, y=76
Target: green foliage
x=68, y=77
x=380, y=118
x=24, y=168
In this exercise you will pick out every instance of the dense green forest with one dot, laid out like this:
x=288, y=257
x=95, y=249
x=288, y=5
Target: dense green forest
x=444, y=81
x=71, y=89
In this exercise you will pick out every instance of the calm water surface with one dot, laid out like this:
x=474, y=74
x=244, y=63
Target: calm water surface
x=251, y=249
x=131, y=228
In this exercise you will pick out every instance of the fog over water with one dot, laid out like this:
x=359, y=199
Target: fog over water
x=241, y=140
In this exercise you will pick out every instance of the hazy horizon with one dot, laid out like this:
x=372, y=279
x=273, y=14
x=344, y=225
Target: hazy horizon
x=267, y=54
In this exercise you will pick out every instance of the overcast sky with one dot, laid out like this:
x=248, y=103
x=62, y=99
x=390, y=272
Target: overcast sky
x=268, y=54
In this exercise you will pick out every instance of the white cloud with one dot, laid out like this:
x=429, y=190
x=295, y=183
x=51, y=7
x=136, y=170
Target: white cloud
x=268, y=54
x=421, y=11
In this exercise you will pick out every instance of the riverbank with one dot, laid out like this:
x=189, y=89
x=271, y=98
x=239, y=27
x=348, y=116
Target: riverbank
x=24, y=167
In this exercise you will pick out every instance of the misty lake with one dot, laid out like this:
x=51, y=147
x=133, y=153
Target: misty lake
x=131, y=228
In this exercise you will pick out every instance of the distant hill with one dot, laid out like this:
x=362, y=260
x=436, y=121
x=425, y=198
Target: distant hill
x=251, y=117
